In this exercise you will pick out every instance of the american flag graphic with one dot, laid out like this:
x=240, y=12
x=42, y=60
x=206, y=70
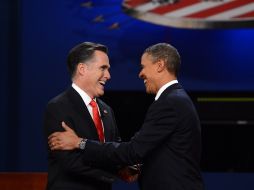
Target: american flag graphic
x=193, y=13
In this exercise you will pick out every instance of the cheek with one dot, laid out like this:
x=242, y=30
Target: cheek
x=100, y=74
x=97, y=76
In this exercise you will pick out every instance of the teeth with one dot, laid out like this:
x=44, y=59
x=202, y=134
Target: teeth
x=144, y=81
x=102, y=82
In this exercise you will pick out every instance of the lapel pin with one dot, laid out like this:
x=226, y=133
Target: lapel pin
x=105, y=111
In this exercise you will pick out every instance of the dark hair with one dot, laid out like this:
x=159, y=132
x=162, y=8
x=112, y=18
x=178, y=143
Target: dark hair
x=167, y=53
x=82, y=53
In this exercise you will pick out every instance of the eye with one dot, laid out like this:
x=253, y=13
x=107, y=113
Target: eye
x=103, y=68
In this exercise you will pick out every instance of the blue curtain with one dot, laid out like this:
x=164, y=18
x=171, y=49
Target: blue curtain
x=10, y=67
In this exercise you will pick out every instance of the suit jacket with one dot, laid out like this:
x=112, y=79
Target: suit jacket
x=67, y=169
x=168, y=144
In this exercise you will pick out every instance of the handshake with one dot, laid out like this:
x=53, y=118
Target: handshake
x=129, y=174
x=68, y=140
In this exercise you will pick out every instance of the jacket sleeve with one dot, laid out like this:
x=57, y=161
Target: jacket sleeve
x=69, y=161
x=159, y=124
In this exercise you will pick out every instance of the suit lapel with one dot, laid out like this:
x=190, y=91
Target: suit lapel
x=105, y=118
x=87, y=126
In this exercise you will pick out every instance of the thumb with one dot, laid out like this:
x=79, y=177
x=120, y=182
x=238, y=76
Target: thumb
x=66, y=127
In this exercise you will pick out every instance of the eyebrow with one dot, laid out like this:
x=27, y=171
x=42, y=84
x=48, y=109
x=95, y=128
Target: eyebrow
x=104, y=66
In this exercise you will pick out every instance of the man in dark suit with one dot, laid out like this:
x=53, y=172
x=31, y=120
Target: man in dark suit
x=88, y=65
x=169, y=141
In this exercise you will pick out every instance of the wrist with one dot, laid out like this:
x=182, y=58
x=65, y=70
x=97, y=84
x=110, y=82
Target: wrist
x=82, y=143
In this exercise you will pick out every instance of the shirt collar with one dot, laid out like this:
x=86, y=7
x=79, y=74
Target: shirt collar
x=164, y=88
x=85, y=97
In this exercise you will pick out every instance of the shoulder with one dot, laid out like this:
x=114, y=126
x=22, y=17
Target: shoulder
x=177, y=94
x=175, y=98
x=59, y=100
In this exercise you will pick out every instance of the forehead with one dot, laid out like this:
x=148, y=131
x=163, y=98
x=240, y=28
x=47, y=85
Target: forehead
x=101, y=54
x=145, y=58
x=100, y=58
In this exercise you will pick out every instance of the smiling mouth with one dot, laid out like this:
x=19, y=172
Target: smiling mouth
x=102, y=83
x=145, y=81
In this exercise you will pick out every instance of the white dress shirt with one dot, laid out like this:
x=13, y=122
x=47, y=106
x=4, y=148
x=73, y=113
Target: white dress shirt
x=164, y=88
x=86, y=98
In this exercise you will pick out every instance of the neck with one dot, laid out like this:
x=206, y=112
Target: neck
x=79, y=84
x=164, y=79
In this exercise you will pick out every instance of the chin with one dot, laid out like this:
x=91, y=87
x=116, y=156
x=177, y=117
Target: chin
x=148, y=91
x=101, y=93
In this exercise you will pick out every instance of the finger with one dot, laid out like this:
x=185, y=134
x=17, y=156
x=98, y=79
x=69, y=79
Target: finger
x=54, y=146
x=66, y=126
x=52, y=141
x=51, y=146
x=55, y=134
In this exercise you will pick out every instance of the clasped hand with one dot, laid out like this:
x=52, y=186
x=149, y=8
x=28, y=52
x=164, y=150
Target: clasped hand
x=66, y=140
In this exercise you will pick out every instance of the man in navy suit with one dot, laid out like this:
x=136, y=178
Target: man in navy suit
x=169, y=141
x=88, y=65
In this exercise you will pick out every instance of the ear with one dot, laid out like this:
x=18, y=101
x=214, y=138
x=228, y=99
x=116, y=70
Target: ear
x=160, y=66
x=81, y=68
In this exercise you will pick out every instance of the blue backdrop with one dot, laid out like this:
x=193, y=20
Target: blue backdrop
x=212, y=60
x=37, y=45
x=37, y=35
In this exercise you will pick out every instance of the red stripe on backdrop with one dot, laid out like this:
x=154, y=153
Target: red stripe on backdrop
x=219, y=9
x=171, y=7
x=246, y=15
x=134, y=3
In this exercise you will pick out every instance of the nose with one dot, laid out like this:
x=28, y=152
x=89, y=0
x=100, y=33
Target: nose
x=141, y=75
x=107, y=75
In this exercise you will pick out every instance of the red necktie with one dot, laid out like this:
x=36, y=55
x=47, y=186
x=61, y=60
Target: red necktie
x=97, y=120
